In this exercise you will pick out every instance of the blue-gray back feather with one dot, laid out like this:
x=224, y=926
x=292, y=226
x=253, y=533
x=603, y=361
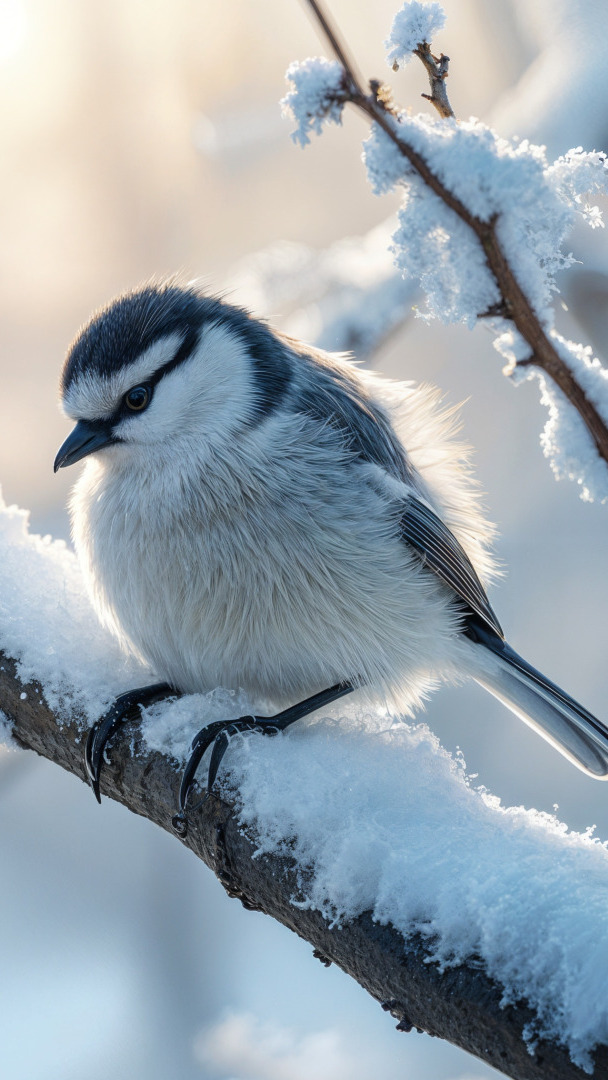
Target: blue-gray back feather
x=329, y=392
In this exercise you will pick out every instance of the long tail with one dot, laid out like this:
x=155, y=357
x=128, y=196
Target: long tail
x=540, y=703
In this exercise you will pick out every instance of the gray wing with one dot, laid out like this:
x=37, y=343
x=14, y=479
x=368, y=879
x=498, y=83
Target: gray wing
x=441, y=552
x=333, y=394
x=327, y=389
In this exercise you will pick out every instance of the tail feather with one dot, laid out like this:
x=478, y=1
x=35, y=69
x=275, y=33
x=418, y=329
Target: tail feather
x=570, y=728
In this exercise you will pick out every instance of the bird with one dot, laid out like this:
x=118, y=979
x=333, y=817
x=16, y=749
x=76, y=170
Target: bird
x=258, y=514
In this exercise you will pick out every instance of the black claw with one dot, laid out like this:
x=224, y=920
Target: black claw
x=200, y=744
x=220, y=731
x=219, y=749
x=88, y=751
x=126, y=707
x=99, y=736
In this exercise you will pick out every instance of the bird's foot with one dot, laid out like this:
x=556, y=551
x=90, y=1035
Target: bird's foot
x=126, y=707
x=220, y=732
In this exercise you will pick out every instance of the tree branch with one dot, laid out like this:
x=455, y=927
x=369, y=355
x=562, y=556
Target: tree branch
x=437, y=71
x=461, y=1004
x=517, y=307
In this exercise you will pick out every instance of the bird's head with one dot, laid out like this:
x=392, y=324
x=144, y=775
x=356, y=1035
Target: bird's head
x=164, y=367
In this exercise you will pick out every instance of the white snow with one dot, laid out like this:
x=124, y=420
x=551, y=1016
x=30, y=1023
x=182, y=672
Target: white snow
x=46, y=622
x=376, y=814
x=565, y=441
x=380, y=818
x=413, y=25
x=316, y=95
x=513, y=347
x=536, y=205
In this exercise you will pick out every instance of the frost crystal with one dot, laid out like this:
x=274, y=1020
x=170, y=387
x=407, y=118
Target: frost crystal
x=316, y=94
x=578, y=174
x=414, y=24
x=514, y=348
x=531, y=204
x=566, y=442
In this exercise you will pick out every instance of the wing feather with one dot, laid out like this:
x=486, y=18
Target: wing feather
x=440, y=551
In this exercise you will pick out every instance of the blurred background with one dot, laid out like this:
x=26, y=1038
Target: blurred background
x=140, y=137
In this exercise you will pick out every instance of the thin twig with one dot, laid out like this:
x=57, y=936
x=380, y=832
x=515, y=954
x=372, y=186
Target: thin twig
x=335, y=43
x=437, y=71
x=517, y=304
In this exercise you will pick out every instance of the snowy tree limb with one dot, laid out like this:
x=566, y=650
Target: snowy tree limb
x=514, y=305
x=461, y=1004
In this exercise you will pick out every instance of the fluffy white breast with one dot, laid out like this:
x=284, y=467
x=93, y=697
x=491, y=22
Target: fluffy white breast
x=273, y=566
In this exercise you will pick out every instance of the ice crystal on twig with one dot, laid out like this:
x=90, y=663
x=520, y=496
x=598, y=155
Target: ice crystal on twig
x=413, y=25
x=317, y=94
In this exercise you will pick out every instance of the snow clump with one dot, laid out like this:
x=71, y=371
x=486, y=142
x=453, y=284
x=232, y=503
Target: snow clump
x=317, y=94
x=413, y=25
x=534, y=205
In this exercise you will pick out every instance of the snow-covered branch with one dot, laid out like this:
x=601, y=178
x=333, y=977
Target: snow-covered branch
x=413, y=28
x=460, y=1004
x=481, y=924
x=482, y=227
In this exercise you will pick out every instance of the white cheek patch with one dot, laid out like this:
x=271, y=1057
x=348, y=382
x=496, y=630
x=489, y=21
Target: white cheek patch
x=220, y=380
x=91, y=397
x=208, y=396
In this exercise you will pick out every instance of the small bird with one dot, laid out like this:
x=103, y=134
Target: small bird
x=255, y=513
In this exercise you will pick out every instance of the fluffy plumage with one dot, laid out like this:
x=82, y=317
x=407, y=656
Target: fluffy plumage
x=279, y=520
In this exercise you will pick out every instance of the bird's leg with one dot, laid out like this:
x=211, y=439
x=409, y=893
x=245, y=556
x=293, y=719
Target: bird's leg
x=126, y=707
x=220, y=731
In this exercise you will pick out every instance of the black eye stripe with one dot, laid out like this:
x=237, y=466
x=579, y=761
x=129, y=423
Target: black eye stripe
x=185, y=350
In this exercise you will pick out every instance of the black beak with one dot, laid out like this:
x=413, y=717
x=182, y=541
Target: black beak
x=87, y=436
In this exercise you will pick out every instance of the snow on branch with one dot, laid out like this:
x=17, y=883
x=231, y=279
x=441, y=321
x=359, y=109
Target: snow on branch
x=317, y=94
x=481, y=924
x=415, y=24
x=482, y=227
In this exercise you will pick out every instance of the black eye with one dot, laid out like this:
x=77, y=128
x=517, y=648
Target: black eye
x=138, y=398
